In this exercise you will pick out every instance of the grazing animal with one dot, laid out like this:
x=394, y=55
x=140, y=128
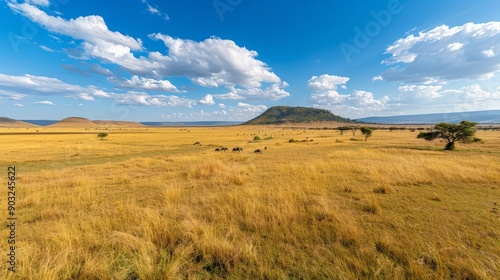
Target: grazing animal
x=218, y=149
x=258, y=151
x=224, y=149
x=265, y=148
x=197, y=143
x=237, y=149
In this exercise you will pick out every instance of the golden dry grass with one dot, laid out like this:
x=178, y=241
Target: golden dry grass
x=148, y=204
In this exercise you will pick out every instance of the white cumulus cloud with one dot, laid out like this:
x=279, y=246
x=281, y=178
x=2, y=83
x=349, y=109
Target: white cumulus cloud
x=144, y=99
x=488, y=53
x=272, y=92
x=356, y=103
x=17, y=87
x=421, y=91
x=437, y=99
x=453, y=47
x=140, y=83
x=39, y=85
x=45, y=102
x=326, y=82
x=213, y=62
x=91, y=29
x=207, y=100
x=469, y=54
x=248, y=108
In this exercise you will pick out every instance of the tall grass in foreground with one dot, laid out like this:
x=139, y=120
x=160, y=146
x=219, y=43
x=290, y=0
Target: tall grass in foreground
x=318, y=210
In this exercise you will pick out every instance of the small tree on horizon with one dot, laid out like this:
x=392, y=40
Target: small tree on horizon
x=102, y=135
x=354, y=129
x=451, y=133
x=367, y=132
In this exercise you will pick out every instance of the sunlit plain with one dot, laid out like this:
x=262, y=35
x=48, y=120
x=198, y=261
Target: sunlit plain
x=145, y=203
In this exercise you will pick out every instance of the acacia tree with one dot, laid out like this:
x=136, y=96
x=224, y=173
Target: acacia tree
x=366, y=131
x=342, y=129
x=451, y=133
x=354, y=129
x=102, y=135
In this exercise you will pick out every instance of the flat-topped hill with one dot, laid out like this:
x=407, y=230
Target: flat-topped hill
x=117, y=123
x=74, y=122
x=286, y=114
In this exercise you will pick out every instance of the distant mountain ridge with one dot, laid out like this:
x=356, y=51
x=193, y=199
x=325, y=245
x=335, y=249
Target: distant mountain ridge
x=286, y=114
x=490, y=116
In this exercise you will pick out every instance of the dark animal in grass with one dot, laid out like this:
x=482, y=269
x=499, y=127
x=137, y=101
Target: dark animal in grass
x=197, y=143
x=237, y=149
x=258, y=151
x=221, y=149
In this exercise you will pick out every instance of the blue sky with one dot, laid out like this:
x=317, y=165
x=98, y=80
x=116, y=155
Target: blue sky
x=230, y=60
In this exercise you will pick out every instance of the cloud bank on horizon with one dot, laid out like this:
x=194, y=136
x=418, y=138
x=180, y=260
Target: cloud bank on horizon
x=70, y=63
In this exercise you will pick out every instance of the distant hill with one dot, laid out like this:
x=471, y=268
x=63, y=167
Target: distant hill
x=118, y=123
x=74, y=122
x=492, y=116
x=83, y=122
x=286, y=114
x=7, y=122
x=202, y=123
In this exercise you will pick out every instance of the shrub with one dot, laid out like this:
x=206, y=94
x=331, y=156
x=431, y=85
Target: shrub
x=372, y=206
x=385, y=189
x=102, y=135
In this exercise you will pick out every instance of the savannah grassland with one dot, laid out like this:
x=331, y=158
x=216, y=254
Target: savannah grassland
x=148, y=204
